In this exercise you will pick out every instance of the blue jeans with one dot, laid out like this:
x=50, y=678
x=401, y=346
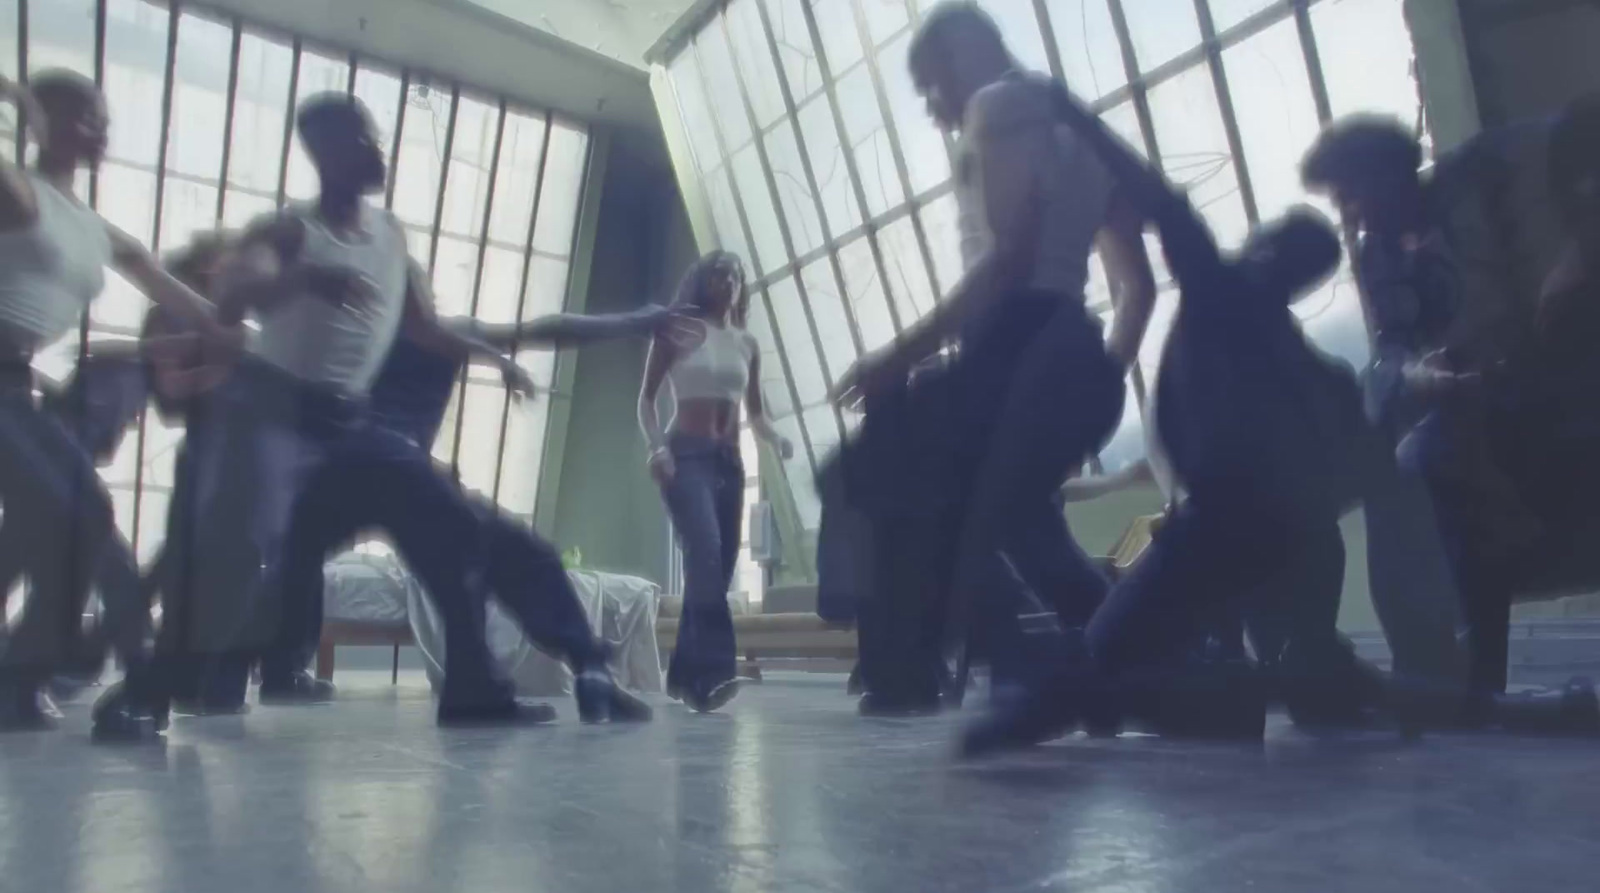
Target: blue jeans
x=705, y=500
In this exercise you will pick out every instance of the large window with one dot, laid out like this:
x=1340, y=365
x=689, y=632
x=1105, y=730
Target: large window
x=820, y=166
x=201, y=138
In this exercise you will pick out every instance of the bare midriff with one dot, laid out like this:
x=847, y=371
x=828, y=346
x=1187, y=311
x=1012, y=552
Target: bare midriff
x=711, y=419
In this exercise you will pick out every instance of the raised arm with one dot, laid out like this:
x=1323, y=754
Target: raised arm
x=141, y=268
x=559, y=330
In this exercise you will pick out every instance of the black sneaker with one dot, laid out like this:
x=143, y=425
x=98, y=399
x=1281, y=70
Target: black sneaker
x=1572, y=709
x=119, y=717
x=711, y=698
x=506, y=713
x=873, y=704
x=298, y=689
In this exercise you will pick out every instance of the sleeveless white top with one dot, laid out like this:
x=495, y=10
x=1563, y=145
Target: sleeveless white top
x=1074, y=188
x=341, y=348
x=51, y=270
x=718, y=368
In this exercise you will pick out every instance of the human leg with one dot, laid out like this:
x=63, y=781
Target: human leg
x=703, y=660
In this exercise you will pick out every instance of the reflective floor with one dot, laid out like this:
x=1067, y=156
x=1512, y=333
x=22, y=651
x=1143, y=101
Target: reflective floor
x=788, y=790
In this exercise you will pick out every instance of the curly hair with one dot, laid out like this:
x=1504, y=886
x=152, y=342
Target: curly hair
x=1360, y=149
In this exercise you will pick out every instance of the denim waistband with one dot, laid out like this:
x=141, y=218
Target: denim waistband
x=694, y=445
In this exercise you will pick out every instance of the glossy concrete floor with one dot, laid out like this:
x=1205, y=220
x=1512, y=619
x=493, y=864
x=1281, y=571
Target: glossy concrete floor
x=788, y=790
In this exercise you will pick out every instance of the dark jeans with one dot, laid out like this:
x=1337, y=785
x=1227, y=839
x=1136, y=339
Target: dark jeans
x=523, y=571
x=705, y=500
x=62, y=532
x=268, y=437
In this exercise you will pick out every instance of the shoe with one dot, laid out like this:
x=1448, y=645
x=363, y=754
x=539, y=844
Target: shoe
x=24, y=708
x=1045, y=711
x=1221, y=701
x=711, y=698
x=491, y=714
x=297, y=689
x=1572, y=709
x=873, y=704
x=121, y=717
x=601, y=699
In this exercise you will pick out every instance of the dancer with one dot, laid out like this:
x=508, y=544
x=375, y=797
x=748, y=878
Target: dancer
x=970, y=457
x=56, y=252
x=695, y=460
x=331, y=285
x=1257, y=425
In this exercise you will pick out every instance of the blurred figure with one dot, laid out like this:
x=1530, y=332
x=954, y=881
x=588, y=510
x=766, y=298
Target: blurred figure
x=56, y=251
x=695, y=460
x=961, y=461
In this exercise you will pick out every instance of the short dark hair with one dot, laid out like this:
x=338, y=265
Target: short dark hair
x=1305, y=246
x=330, y=108
x=1574, y=151
x=1359, y=148
x=57, y=87
x=937, y=24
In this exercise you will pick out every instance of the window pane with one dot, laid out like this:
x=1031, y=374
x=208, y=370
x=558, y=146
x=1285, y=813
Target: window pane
x=480, y=436
x=1227, y=13
x=1194, y=150
x=319, y=73
x=841, y=42
x=885, y=18
x=547, y=287
x=1124, y=121
x=240, y=208
x=1019, y=25
x=921, y=143
x=187, y=209
x=799, y=57
x=454, y=264
x=416, y=173
x=60, y=35
x=563, y=184
x=1161, y=30
x=864, y=292
x=501, y=285
x=827, y=311
x=696, y=112
x=941, y=224
x=757, y=199
x=730, y=233
x=136, y=63
x=199, y=103
x=524, y=456
x=863, y=122
x=717, y=66
x=261, y=106
x=8, y=68
x=794, y=194
x=909, y=287
x=750, y=51
x=1276, y=114
x=520, y=148
x=466, y=188
x=1365, y=48
x=795, y=334
x=774, y=389
x=1091, y=58
x=127, y=199
x=797, y=474
x=821, y=137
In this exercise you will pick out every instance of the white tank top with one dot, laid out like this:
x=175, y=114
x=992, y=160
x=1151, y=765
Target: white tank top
x=341, y=348
x=51, y=270
x=718, y=368
x=1074, y=187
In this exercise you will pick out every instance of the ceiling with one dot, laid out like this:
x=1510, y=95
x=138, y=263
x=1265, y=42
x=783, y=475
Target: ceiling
x=621, y=29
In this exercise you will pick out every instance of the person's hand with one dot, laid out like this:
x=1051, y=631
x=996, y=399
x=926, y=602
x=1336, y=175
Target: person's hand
x=663, y=467
x=1430, y=381
x=340, y=286
x=872, y=374
x=784, y=446
x=518, y=380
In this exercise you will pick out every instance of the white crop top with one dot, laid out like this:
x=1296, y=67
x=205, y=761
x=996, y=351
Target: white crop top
x=718, y=368
x=1074, y=188
x=50, y=271
x=341, y=348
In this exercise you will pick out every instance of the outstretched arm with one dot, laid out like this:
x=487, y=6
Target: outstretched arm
x=559, y=330
x=422, y=325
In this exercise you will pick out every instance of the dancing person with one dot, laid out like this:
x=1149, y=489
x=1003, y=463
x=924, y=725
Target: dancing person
x=1257, y=426
x=965, y=459
x=331, y=285
x=57, y=250
x=695, y=461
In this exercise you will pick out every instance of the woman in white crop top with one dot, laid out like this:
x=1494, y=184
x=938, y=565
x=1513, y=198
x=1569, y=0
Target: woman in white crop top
x=695, y=459
x=53, y=253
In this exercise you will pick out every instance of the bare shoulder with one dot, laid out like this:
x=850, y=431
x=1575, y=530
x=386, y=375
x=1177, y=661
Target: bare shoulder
x=1009, y=106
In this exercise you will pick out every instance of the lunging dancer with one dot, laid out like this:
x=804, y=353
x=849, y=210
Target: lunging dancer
x=961, y=468
x=56, y=250
x=696, y=462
